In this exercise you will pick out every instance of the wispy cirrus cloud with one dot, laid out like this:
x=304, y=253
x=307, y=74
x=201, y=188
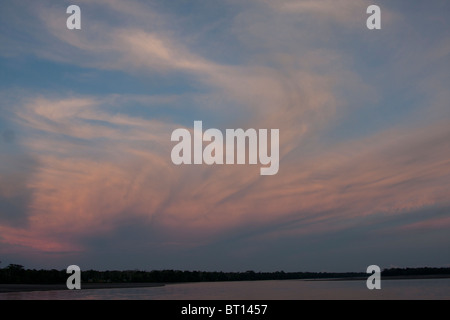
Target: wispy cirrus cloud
x=92, y=184
x=99, y=164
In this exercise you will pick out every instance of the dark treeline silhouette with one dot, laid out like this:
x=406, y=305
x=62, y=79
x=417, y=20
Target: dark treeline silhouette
x=425, y=271
x=18, y=274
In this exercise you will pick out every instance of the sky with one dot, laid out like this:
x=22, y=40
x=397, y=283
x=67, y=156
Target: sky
x=86, y=117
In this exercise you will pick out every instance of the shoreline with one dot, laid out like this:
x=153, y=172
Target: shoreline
x=411, y=277
x=11, y=288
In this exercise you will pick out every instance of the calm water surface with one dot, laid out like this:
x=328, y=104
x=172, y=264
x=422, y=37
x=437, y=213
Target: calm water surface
x=258, y=290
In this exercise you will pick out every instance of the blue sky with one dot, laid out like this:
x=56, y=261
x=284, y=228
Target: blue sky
x=86, y=116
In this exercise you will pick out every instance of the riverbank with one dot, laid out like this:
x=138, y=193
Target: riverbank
x=6, y=288
x=411, y=277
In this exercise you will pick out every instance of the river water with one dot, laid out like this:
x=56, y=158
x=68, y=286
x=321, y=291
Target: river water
x=256, y=290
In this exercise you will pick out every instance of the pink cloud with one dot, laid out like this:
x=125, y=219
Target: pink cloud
x=81, y=190
x=432, y=224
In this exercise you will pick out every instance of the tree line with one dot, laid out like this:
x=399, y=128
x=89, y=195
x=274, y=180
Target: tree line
x=15, y=273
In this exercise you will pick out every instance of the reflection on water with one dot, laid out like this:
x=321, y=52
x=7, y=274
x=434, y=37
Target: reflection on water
x=258, y=290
